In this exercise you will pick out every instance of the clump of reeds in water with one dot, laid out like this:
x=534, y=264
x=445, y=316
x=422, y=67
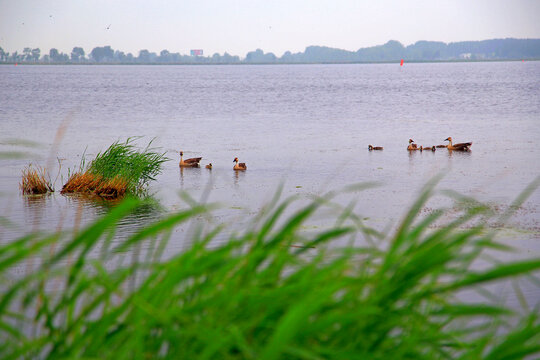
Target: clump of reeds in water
x=119, y=170
x=35, y=181
x=88, y=183
x=270, y=291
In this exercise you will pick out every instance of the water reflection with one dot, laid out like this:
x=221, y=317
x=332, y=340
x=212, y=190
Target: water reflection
x=181, y=176
x=462, y=154
x=94, y=206
x=149, y=211
x=238, y=174
x=35, y=201
x=412, y=153
x=188, y=173
x=34, y=206
x=412, y=163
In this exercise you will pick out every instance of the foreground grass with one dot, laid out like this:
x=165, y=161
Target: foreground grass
x=119, y=170
x=271, y=292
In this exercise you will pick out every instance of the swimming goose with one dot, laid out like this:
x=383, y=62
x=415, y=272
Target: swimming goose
x=209, y=166
x=239, y=166
x=458, y=147
x=193, y=162
x=412, y=146
x=371, y=147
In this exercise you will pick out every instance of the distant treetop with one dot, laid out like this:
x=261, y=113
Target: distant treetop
x=495, y=49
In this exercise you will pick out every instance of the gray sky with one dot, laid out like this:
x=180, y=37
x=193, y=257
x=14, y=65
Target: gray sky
x=239, y=26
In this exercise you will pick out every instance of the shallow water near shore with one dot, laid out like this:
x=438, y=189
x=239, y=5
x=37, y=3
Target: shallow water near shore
x=305, y=127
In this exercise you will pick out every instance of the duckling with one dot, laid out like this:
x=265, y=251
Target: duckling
x=371, y=147
x=209, y=166
x=458, y=147
x=412, y=146
x=193, y=162
x=239, y=166
x=432, y=148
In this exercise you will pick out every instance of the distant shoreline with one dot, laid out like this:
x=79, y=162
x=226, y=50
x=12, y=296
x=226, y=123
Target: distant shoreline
x=508, y=49
x=269, y=63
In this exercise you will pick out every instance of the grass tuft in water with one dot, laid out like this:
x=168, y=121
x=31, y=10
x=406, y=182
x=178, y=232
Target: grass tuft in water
x=270, y=291
x=35, y=181
x=119, y=170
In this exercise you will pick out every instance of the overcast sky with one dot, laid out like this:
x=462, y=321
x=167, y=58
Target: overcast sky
x=239, y=26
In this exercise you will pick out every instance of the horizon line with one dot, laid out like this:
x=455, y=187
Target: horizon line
x=289, y=51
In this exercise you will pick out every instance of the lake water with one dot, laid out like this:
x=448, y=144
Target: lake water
x=306, y=127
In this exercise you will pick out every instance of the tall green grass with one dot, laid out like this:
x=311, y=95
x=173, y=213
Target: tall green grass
x=124, y=160
x=119, y=170
x=272, y=291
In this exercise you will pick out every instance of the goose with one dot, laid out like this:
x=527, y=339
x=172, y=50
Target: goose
x=432, y=148
x=458, y=147
x=371, y=147
x=193, y=162
x=412, y=146
x=239, y=166
x=209, y=166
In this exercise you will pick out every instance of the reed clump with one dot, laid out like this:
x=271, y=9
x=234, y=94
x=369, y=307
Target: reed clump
x=35, y=181
x=85, y=183
x=270, y=291
x=119, y=170
x=112, y=188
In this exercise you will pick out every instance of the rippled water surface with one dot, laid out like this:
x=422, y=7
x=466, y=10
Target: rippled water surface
x=304, y=126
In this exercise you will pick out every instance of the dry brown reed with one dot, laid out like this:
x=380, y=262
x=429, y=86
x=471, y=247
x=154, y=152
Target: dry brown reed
x=112, y=188
x=88, y=183
x=81, y=183
x=34, y=181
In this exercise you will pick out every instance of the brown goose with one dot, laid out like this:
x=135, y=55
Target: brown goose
x=209, y=166
x=193, y=162
x=239, y=166
x=412, y=146
x=458, y=147
x=371, y=147
x=432, y=148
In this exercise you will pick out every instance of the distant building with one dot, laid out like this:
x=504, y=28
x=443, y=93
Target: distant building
x=196, y=52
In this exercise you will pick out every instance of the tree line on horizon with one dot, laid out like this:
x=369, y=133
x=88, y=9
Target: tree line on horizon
x=495, y=49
